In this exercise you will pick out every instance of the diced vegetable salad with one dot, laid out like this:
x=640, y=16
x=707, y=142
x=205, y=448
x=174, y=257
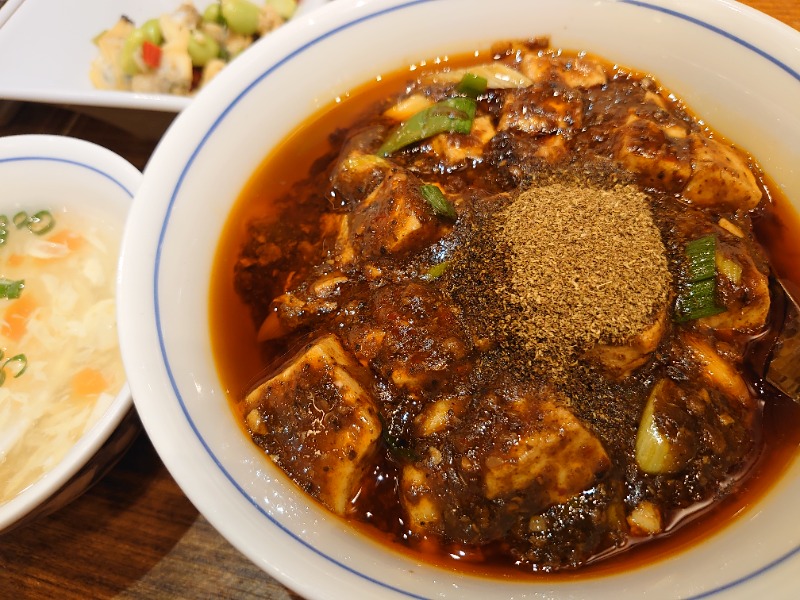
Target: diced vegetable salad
x=179, y=52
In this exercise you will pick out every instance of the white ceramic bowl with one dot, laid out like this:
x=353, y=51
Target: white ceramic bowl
x=7, y=8
x=737, y=68
x=82, y=177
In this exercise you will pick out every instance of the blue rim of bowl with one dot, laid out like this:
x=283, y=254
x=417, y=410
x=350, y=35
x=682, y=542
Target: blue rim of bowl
x=73, y=163
x=265, y=73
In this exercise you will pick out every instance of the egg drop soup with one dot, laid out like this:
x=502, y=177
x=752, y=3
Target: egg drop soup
x=60, y=366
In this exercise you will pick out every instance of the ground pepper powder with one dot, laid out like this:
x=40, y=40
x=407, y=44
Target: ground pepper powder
x=563, y=264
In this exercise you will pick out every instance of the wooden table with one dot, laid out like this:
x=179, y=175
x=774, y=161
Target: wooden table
x=135, y=535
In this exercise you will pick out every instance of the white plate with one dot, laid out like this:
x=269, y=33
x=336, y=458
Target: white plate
x=737, y=68
x=47, y=49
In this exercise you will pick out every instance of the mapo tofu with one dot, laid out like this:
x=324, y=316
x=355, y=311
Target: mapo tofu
x=509, y=308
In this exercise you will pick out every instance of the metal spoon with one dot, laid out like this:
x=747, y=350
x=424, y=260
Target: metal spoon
x=783, y=364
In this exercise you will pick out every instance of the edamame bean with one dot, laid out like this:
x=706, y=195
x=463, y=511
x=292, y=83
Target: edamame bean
x=285, y=8
x=213, y=13
x=152, y=32
x=202, y=48
x=129, y=50
x=241, y=16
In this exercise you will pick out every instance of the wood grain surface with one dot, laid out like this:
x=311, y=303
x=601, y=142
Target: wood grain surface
x=135, y=535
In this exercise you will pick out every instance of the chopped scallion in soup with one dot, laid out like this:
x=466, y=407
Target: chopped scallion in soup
x=60, y=366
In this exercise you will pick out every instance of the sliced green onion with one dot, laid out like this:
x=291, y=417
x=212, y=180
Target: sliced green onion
x=498, y=76
x=702, y=258
x=11, y=289
x=453, y=115
x=38, y=223
x=697, y=299
x=363, y=162
x=729, y=268
x=440, y=205
x=19, y=364
x=20, y=219
x=655, y=452
x=435, y=271
x=472, y=85
x=41, y=222
x=397, y=446
x=3, y=229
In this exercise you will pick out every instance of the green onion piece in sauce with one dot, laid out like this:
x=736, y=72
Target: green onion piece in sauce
x=702, y=258
x=697, y=299
x=453, y=115
x=3, y=229
x=472, y=85
x=397, y=446
x=435, y=271
x=10, y=288
x=729, y=268
x=440, y=205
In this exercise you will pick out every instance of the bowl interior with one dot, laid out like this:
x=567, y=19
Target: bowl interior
x=736, y=68
x=59, y=172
